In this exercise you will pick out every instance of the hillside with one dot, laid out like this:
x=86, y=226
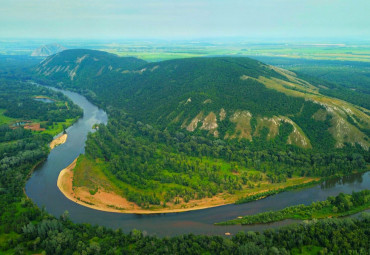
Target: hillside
x=226, y=97
x=193, y=133
x=347, y=80
x=47, y=50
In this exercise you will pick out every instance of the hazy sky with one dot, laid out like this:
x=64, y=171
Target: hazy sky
x=184, y=18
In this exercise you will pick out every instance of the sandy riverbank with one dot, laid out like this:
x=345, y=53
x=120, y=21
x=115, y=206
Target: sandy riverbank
x=109, y=201
x=58, y=141
x=112, y=202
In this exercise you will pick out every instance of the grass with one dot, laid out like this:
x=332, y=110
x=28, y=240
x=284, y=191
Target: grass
x=87, y=174
x=57, y=128
x=4, y=120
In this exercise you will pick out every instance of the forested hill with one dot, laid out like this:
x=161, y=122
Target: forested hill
x=220, y=97
x=79, y=65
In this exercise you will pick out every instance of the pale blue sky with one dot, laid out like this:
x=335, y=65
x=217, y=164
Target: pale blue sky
x=184, y=19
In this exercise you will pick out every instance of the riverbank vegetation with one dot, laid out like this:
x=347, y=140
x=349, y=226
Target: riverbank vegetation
x=271, y=192
x=339, y=206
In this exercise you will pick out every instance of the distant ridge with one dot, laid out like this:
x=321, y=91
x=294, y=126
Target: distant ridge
x=81, y=65
x=47, y=50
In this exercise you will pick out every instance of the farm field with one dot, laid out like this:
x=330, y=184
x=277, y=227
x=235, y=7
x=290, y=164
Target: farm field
x=153, y=52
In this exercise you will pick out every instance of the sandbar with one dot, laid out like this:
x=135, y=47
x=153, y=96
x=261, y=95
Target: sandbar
x=58, y=141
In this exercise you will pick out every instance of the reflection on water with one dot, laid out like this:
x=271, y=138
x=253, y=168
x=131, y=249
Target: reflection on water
x=349, y=179
x=44, y=100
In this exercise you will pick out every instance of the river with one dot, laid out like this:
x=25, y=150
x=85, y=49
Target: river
x=42, y=189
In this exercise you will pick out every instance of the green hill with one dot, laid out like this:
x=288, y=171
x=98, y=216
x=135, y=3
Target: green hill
x=227, y=97
x=80, y=64
x=196, y=132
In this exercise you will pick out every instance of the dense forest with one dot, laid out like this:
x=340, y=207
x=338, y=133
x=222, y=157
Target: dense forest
x=149, y=155
x=142, y=156
x=157, y=89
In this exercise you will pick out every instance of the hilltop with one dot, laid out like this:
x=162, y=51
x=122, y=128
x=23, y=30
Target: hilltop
x=47, y=50
x=80, y=64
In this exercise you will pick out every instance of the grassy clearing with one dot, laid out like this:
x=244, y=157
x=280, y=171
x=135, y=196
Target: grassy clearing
x=90, y=175
x=58, y=127
x=4, y=120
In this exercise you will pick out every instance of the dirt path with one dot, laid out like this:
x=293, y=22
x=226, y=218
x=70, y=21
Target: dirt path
x=58, y=141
